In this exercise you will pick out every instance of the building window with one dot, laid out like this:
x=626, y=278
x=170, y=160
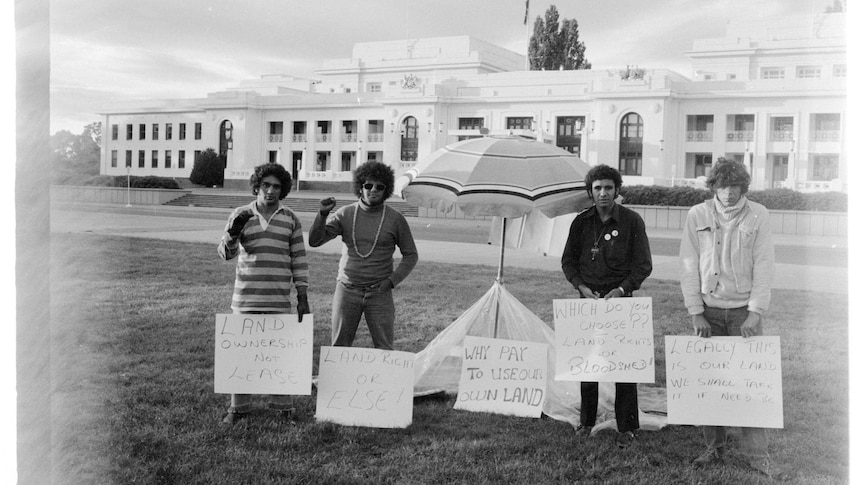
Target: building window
x=182, y=131
x=808, y=72
x=129, y=129
x=276, y=131
x=348, y=131
x=128, y=158
x=322, y=162
x=781, y=128
x=631, y=144
x=155, y=131
x=699, y=127
x=323, y=131
x=169, y=131
x=470, y=124
x=702, y=164
x=519, y=123
x=272, y=156
x=375, y=130
x=181, y=159
x=299, y=133
x=155, y=159
x=826, y=127
x=409, y=139
x=375, y=156
x=141, y=157
x=167, y=159
x=374, y=87
x=142, y=132
x=740, y=127
x=198, y=131
x=772, y=73
x=348, y=161
x=114, y=157
x=824, y=167
x=115, y=132
x=731, y=77
x=197, y=155
x=839, y=70
x=569, y=129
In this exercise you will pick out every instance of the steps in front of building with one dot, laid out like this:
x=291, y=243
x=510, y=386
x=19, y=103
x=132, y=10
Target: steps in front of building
x=224, y=201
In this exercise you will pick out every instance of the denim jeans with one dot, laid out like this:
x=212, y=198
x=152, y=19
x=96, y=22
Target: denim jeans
x=728, y=323
x=350, y=302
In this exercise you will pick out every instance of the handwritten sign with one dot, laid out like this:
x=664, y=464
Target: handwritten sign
x=263, y=354
x=365, y=387
x=724, y=381
x=604, y=340
x=503, y=377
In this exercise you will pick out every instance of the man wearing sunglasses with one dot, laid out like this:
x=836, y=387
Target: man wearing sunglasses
x=367, y=273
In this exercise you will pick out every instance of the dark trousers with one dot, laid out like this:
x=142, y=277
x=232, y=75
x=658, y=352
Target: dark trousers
x=626, y=401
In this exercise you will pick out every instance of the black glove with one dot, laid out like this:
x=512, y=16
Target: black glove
x=302, y=307
x=238, y=222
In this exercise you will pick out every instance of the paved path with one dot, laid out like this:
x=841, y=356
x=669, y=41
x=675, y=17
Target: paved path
x=202, y=225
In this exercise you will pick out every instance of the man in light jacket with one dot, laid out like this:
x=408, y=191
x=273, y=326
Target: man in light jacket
x=727, y=267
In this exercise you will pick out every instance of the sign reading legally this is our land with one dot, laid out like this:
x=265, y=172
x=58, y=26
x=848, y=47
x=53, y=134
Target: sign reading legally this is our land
x=365, y=387
x=263, y=354
x=604, y=340
x=503, y=377
x=724, y=381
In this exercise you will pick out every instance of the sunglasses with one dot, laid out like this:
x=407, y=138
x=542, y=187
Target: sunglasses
x=380, y=187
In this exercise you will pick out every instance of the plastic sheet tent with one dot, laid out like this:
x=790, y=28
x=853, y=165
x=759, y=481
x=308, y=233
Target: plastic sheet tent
x=438, y=366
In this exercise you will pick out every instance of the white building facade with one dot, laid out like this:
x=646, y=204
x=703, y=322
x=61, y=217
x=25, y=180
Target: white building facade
x=776, y=102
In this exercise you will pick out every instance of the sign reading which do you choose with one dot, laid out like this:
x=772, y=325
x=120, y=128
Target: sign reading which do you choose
x=604, y=340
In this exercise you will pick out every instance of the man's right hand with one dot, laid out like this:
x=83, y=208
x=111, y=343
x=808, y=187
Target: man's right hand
x=587, y=292
x=238, y=222
x=701, y=326
x=326, y=205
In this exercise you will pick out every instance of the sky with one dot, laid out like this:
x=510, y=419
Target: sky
x=108, y=50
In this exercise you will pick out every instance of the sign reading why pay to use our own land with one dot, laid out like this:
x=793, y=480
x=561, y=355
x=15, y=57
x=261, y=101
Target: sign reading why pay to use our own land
x=263, y=354
x=724, y=381
x=503, y=377
x=365, y=387
x=604, y=340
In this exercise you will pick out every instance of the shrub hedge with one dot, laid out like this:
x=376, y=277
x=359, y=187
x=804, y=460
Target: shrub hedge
x=134, y=181
x=775, y=199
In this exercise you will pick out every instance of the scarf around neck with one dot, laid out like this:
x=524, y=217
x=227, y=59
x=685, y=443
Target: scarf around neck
x=729, y=212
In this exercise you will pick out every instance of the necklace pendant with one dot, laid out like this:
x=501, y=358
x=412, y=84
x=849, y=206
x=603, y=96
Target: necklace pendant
x=594, y=251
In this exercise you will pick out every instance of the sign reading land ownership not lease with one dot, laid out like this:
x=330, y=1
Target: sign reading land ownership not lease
x=724, y=381
x=263, y=354
x=365, y=387
x=604, y=340
x=503, y=377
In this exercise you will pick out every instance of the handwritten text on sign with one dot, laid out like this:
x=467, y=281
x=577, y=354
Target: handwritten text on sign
x=263, y=354
x=503, y=377
x=604, y=340
x=724, y=381
x=365, y=387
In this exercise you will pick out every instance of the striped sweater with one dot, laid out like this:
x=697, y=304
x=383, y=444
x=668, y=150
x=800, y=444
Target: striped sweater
x=271, y=261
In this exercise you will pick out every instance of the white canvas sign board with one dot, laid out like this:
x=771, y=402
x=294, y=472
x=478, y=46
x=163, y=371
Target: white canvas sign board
x=263, y=354
x=724, y=381
x=365, y=387
x=604, y=340
x=503, y=377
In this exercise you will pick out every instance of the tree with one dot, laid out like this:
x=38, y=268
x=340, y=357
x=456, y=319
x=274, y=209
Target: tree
x=76, y=156
x=556, y=45
x=836, y=7
x=208, y=169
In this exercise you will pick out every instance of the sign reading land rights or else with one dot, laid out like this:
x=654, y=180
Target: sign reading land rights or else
x=724, y=381
x=263, y=354
x=604, y=340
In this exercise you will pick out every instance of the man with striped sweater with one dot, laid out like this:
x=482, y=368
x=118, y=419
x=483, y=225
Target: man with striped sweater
x=267, y=237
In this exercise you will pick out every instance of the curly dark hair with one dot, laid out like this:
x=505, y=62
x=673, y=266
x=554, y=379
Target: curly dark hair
x=267, y=169
x=374, y=171
x=602, y=172
x=727, y=173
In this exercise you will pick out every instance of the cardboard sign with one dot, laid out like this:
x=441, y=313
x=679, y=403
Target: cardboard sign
x=724, y=381
x=604, y=340
x=365, y=387
x=263, y=354
x=503, y=377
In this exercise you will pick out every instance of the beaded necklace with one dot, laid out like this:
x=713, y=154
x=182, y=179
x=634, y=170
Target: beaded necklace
x=376, y=236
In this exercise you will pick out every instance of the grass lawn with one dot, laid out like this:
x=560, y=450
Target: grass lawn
x=133, y=401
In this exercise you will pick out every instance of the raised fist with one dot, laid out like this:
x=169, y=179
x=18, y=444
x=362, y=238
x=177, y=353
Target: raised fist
x=238, y=222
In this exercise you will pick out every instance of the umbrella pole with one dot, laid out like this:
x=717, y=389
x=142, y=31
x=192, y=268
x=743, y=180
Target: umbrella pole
x=500, y=275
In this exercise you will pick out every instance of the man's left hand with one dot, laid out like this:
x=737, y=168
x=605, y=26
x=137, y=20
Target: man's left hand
x=385, y=285
x=302, y=307
x=751, y=326
x=615, y=293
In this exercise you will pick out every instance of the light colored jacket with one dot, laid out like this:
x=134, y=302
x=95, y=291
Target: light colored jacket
x=727, y=267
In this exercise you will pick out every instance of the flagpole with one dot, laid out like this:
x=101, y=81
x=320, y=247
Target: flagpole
x=527, y=33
